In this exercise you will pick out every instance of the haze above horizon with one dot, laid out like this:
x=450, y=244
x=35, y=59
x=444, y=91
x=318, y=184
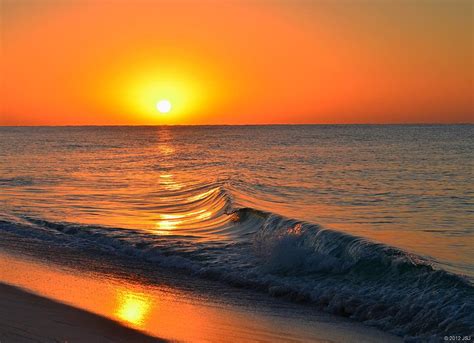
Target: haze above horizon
x=249, y=62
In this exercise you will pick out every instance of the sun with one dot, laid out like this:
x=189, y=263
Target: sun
x=163, y=106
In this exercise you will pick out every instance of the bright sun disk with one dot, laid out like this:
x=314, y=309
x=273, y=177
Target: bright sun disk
x=163, y=106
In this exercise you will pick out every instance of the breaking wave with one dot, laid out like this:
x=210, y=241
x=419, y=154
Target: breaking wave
x=203, y=232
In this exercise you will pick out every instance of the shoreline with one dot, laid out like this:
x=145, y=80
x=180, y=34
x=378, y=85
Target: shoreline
x=174, y=307
x=26, y=316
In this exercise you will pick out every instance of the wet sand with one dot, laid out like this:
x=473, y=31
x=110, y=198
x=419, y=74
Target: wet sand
x=173, y=307
x=25, y=317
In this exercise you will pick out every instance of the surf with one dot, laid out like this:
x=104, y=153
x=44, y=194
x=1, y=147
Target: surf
x=207, y=234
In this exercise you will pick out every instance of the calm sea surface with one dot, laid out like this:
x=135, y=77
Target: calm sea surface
x=205, y=194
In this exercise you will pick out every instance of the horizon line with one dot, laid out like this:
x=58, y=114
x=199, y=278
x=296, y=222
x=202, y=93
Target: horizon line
x=267, y=124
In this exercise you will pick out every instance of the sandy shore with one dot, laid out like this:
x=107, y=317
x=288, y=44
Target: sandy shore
x=25, y=317
x=106, y=305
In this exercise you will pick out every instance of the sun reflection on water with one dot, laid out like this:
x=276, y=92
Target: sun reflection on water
x=167, y=223
x=169, y=183
x=165, y=227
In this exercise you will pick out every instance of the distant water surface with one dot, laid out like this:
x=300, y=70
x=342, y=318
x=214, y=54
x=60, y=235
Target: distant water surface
x=254, y=200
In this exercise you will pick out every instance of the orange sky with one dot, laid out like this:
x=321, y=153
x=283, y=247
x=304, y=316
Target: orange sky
x=97, y=62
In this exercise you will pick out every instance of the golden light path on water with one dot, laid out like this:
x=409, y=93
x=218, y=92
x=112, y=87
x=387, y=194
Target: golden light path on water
x=183, y=181
x=169, y=221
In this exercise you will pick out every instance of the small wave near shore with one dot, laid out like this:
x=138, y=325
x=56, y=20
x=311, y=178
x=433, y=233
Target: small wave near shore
x=202, y=231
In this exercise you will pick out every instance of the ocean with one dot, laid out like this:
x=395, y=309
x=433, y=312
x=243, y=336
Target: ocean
x=371, y=222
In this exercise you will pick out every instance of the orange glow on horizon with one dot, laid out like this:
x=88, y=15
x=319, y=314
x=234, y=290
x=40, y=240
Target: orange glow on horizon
x=99, y=63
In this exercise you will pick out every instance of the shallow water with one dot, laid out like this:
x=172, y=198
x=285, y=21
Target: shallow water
x=181, y=308
x=211, y=199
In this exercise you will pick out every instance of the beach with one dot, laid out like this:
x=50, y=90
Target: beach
x=71, y=305
x=26, y=317
x=236, y=171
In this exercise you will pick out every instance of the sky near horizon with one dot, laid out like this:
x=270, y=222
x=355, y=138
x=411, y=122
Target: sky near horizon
x=85, y=62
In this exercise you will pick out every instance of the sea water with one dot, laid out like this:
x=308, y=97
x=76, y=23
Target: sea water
x=373, y=222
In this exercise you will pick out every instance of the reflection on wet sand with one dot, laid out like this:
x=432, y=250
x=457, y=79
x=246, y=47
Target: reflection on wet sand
x=133, y=308
x=167, y=311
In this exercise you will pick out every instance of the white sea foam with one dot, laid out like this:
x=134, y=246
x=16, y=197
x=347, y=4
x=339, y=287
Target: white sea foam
x=342, y=274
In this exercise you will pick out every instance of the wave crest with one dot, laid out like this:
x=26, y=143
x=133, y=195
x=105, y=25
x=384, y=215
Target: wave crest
x=340, y=273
